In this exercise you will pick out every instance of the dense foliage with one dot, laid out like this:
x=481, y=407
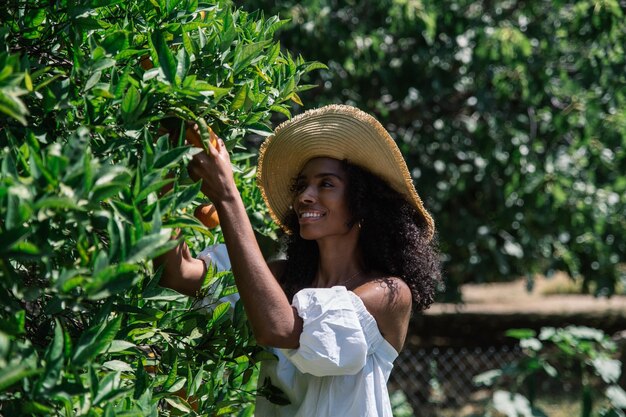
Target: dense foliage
x=84, y=327
x=580, y=356
x=511, y=114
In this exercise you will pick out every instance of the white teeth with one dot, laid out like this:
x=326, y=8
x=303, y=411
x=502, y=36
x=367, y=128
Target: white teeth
x=309, y=215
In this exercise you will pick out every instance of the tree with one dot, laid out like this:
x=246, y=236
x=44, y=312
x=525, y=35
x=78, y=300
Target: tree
x=90, y=95
x=511, y=116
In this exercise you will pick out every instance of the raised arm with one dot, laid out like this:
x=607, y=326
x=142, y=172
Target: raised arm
x=274, y=321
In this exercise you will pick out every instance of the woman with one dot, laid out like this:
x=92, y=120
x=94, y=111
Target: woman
x=359, y=258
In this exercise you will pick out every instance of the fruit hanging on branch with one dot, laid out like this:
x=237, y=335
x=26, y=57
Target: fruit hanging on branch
x=207, y=214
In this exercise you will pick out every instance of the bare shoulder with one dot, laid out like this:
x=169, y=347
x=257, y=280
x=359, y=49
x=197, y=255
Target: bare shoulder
x=389, y=300
x=385, y=293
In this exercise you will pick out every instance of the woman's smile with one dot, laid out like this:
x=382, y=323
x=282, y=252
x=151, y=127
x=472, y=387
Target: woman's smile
x=310, y=216
x=320, y=199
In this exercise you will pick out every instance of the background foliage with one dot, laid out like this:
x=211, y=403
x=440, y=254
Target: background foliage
x=576, y=355
x=512, y=116
x=84, y=328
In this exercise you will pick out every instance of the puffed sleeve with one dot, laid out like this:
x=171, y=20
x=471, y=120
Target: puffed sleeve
x=332, y=341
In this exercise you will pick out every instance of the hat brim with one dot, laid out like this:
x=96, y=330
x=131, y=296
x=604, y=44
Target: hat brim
x=335, y=131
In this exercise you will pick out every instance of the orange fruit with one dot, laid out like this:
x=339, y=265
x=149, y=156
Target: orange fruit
x=192, y=134
x=207, y=214
x=146, y=62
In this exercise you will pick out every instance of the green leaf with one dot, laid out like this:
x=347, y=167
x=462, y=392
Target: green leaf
x=34, y=407
x=240, y=98
x=218, y=92
x=117, y=365
x=247, y=54
x=179, y=404
x=282, y=109
x=24, y=250
x=92, y=81
x=177, y=385
x=188, y=195
x=103, y=192
x=149, y=246
x=54, y=360
x=109, y=389
x=187, y=42
x=56, y=203
x=170, y=158
x=130, y=102
x=520, y=333
x=166, y=59
x=314, y=66
x=162, y=294
x=96, y=340
x=220, y=311
x=111, y=280
x=172, y=374
x=14, y=325
x=155, y=186
x=183, y=65
x=12, y=237
x=12, y=105
x=13, y=374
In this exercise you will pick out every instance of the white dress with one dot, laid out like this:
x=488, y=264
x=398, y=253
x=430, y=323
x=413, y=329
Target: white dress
x=341, y=367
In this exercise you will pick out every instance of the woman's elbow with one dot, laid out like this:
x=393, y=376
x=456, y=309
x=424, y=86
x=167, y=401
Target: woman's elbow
x=277, y=339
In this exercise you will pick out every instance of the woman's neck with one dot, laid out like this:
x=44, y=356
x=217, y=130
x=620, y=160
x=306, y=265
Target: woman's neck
x=340, y=263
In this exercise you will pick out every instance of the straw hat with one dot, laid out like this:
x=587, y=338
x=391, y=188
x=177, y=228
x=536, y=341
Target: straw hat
x=334, y=131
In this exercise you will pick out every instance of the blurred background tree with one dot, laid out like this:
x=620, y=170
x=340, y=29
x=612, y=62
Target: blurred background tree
x=512, y=116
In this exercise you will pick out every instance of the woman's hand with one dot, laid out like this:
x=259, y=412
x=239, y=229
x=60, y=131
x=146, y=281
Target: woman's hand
x=213, y=168
x=181, y=272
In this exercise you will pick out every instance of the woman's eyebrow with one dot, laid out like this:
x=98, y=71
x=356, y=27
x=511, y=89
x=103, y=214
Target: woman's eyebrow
x=320, y=175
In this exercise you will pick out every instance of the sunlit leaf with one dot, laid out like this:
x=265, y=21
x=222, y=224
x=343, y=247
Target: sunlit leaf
x=166, y=58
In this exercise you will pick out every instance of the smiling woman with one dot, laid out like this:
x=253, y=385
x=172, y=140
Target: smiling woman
x=320, y=199
x=360, y=257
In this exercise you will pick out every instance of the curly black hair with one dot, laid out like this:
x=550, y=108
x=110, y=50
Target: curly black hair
x=393, y=240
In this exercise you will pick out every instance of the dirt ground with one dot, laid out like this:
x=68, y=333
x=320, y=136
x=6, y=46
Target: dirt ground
x=513, y=297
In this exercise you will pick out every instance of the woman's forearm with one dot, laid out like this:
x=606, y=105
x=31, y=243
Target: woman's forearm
x=273, y=320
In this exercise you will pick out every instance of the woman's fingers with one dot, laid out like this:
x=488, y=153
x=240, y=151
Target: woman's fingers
x=198, y=165
x=213, y=169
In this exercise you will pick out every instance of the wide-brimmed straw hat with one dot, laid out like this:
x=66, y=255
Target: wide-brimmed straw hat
x=334, y=131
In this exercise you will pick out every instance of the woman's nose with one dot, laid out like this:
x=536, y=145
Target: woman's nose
x=307, y=196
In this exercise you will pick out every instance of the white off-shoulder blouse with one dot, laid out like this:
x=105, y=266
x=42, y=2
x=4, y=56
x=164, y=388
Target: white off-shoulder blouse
x=341, y=367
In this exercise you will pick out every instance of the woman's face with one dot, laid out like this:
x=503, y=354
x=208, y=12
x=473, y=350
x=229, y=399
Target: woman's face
x=320, y=199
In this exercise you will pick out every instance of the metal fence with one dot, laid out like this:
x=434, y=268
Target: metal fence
x=431, y=377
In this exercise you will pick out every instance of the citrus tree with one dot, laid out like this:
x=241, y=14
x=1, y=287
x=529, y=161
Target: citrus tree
x=94, y=95
x=511, y=116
